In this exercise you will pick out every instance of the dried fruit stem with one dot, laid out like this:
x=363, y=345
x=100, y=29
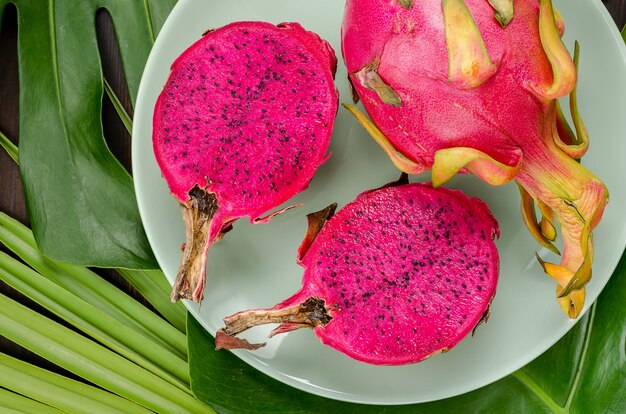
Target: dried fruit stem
x=198, y=214
x=310, y=313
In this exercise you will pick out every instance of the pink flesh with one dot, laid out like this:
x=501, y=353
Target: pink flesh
x=407, y=271
x=246, y=117
x=247, y=114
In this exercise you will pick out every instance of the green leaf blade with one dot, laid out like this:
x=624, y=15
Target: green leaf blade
x=92, y=288
x=79, y=198
x=119, y=108
x=97, y=324
x=8, y=146
x=155, y=288
x=91, y=361
x=13, y=403
x=54, y=390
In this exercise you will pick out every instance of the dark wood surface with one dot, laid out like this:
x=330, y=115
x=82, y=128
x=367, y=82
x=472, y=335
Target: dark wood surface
x=11, y=197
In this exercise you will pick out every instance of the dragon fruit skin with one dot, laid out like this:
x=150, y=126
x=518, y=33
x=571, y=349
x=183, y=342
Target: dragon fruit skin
x=241, y=126
x=472, y=85
x=398, y=275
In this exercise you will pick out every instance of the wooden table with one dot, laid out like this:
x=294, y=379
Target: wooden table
x=11, y=198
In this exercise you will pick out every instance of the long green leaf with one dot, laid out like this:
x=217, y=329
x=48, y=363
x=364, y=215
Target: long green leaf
x=12, y=403
x=155, y=288
x=91, y=361
x=55, y=390
x=95, y=323
x=119, y=108
x=80, y=199
x=9, y=147
x=585, y=372
x=92, y=288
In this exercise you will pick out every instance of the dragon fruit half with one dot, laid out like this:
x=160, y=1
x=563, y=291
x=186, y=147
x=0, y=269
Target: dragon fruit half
x=401, y=273
x=472, y=85
x=241, y=126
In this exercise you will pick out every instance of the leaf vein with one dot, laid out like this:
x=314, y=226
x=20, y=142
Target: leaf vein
x=582, y=359
x=146, y=4
x=525, y=379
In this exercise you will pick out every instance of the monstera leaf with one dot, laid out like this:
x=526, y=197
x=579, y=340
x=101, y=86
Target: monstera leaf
x=80, y=199
x=585, y=372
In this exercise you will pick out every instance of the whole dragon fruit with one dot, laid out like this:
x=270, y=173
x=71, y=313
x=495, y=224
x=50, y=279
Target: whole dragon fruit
x=472, y=85
x=241, y=126
x=400, y=274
